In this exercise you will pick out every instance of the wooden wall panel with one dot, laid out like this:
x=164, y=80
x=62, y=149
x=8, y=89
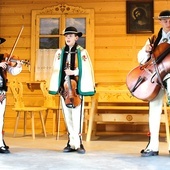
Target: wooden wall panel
x=110, y=27
x=115, y=51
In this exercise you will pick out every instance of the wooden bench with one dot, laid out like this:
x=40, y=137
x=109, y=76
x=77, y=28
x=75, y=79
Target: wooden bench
x=116, y=105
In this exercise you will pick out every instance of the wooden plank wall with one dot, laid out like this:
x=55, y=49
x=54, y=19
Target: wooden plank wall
x=115, y=51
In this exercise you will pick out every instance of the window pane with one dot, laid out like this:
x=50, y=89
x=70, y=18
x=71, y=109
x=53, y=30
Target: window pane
x=49, y=43
x=49, y=26
x=79, y=23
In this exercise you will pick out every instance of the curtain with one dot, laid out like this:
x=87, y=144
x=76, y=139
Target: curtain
x=44, y=64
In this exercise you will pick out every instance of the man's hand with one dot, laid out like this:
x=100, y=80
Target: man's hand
x=69, y=72
x=19, y=63
x=148, y=48
x=3, y=65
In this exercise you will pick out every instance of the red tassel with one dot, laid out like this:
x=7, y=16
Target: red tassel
x=148, y=134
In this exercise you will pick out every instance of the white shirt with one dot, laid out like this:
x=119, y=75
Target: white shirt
x=12, y=70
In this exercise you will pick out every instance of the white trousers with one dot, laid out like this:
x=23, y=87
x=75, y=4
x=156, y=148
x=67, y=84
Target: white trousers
x=74, y=122
x=2, y=112
x=155, y=110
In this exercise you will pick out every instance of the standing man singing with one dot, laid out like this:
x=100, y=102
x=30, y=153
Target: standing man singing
x=72, y=73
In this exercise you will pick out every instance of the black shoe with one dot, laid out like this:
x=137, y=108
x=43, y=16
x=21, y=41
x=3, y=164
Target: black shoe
x=68, y=149
x=4, y=150
x=81, y=149
x=148, y=152
x=5, y=146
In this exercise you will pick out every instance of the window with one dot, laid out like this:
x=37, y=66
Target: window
x=47, y=29
x=49, y=33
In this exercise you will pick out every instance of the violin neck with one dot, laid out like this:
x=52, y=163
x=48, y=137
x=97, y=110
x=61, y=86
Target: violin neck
x=69, y=82
x=23, y=61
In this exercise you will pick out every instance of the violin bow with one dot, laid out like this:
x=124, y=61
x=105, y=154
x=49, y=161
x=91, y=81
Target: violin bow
x=16, y=41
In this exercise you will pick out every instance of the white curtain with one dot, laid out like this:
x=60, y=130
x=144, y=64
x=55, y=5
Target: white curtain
x=44, y=63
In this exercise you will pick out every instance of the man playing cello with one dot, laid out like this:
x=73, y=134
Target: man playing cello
x=155, y=105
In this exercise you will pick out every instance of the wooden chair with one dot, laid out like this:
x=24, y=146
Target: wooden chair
x=52, y=103
x=17, y=92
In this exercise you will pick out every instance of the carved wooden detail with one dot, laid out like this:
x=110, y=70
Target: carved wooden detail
x=62, y=9
x=116, y=94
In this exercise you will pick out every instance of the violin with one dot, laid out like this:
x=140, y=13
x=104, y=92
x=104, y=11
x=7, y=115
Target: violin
x=9, y=59
x=144, y=81
x=71, y=98
x=12, y=60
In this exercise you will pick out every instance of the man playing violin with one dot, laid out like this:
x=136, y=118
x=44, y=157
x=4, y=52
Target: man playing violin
x=73, y=78
x=14, y=70
x=155, y=105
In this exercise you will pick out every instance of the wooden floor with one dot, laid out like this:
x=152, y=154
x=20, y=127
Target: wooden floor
x=118, y=152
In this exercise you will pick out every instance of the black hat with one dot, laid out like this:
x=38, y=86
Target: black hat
x=72, y=30
x=2, y=40
x=163, y=15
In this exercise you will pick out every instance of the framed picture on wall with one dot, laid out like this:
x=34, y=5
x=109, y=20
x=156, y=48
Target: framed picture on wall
x=139, y=17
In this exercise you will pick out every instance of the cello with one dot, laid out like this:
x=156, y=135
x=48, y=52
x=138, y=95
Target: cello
x=144, y=80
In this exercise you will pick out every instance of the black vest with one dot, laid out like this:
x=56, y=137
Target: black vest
x=3, y=74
